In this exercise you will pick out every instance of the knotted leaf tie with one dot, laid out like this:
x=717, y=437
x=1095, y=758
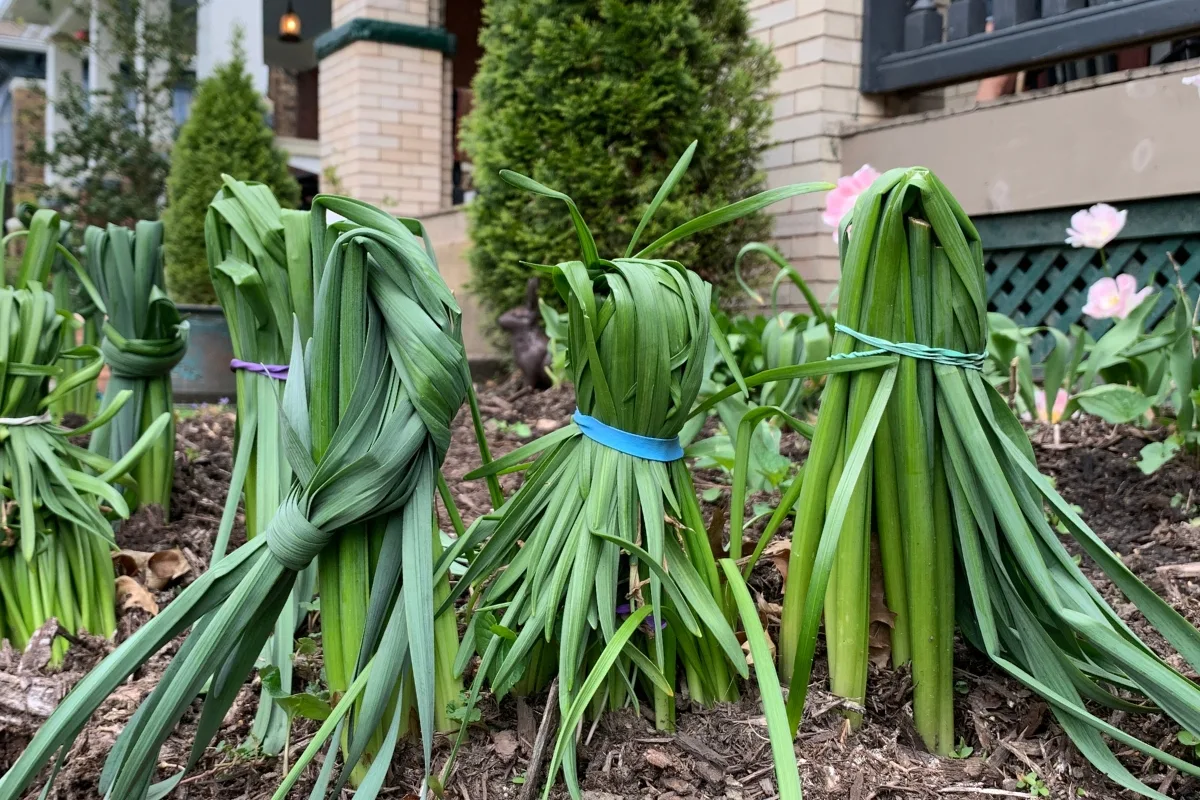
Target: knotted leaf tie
x=140, y=359
x=938, y=355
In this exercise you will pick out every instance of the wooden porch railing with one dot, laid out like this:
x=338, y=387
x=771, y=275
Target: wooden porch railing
x=904, y=47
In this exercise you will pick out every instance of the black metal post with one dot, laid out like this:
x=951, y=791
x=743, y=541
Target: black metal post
x=883, y=34
x=1007, y=13
x=922, y=25
x=966, y=18
x=1052, y=8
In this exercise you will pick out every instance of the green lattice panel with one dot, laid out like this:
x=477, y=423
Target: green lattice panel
x=1037, y=279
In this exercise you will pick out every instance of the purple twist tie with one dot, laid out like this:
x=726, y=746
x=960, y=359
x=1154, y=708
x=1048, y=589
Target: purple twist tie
x=624, y=610
x=277, y=371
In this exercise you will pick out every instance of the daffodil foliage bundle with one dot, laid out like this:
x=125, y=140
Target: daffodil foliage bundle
x=263, y=271
x=58, y=498
x=599, y=567
x=366, y=422
x=928, y=458
x=261, y=264
x=82, y=327
x=144, y=338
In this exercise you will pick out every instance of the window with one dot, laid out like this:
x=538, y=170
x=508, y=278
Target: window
x=181, y=99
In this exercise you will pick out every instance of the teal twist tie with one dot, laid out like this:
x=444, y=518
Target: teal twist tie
x=938, y=355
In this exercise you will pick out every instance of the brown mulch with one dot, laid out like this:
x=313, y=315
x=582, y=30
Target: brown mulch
x=721, y=752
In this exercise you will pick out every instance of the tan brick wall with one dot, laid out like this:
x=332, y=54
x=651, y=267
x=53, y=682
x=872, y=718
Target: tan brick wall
x=447, y=133
x=818, y=48
x=381, y=123
x=385, y=113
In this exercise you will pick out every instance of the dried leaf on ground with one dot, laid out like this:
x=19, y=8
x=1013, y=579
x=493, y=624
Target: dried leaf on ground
x=131, y=594
x=157, y=570
x=883, y=621
x=778, y=552
x=165, y=567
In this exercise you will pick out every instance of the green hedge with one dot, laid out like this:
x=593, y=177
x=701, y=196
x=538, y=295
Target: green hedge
x=226, y=133
x=598, y=98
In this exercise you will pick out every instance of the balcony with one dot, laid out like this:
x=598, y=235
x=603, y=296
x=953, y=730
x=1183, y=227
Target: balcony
x=915, y=47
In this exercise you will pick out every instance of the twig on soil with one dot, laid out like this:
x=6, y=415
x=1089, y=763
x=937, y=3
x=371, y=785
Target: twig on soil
x=539, y=744
x=757, y=773
x=1022, y=757
x=980, y=790
x=596, y=721
x=1189, y=570
x=1172, y=773
x=700, y=749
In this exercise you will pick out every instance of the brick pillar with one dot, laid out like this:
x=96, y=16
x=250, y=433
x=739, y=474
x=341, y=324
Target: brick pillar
x=817, y=43
x=384, y=93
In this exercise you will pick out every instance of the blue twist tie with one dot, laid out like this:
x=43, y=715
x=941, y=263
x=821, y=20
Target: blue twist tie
x=938, y=355
x=645, y=447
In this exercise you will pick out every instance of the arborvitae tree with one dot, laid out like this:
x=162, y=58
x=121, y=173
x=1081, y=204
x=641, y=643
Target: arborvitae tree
x=227, y=132
x=598, y=98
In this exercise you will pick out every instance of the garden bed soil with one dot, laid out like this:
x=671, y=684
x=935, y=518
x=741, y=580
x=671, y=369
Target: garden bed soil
x=720, y=752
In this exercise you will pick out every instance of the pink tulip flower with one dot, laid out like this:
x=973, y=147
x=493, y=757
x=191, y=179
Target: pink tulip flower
x=1096, y=226
x=1192, y=80
x=1054, y=415
x=1114, y=299
x=840, y=201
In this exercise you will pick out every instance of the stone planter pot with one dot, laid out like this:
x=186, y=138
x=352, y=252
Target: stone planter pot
x=204, y=374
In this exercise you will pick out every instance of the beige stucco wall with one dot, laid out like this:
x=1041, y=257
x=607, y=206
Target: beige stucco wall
x=448, y=231
x=1113, y=138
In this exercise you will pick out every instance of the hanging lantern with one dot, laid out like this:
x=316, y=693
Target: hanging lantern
x=289, y=25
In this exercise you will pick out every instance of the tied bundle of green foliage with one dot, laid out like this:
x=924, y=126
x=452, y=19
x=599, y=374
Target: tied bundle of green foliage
x=600, y=568
x=366, y=415
x=923, y=454
x=620, y=88
x=260, y=262
x=59, y=499
x=84, y=324
x=144, y=338
x=226, y=134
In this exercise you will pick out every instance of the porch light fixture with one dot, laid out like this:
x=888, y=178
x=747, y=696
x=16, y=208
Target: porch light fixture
x=289, y=25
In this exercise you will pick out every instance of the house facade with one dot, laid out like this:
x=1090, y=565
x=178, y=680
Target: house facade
x=1025, y=109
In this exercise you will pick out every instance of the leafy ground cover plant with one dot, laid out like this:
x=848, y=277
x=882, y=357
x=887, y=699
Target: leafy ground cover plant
x=599, y=568
x=928, y=444
x=1131, y=374
x=762, y=342
x=366, y=416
